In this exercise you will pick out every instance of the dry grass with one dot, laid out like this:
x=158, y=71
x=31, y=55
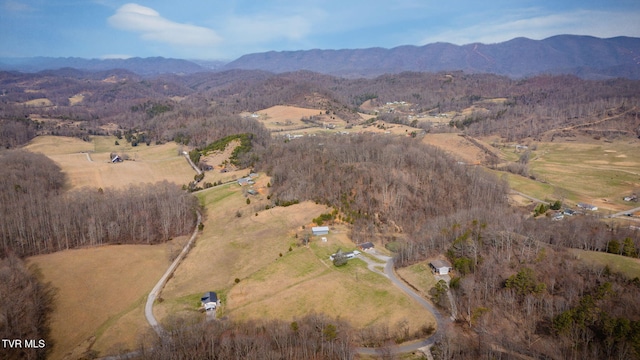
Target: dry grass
x=624, y=265
x=43, y=102
x=101, y=293
x=419, y=276
x=457, y=146
x=283, y=118
x=272, y=286
x=76, y=99
x=149, y=164
x=599, y=173
x=58, y=145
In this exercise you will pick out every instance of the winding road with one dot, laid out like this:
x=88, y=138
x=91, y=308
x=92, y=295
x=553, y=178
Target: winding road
x=390, y=273
x=155, y=292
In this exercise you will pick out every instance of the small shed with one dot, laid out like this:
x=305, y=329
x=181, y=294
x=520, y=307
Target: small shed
x=366, y=246
x=320, y=230
x=440, y=267
x=209, y=300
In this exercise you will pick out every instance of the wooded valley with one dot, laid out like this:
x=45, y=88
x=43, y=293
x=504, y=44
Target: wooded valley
x=519, y=289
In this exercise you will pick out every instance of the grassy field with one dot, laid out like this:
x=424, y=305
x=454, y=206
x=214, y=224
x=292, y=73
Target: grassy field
x=585, y=170
x=87, y=164
x=273, y=281
x=624, y=265
x=457, y=146
x=100, y=294
x=419, y=275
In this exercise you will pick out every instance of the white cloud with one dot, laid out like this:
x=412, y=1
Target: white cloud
x=152, y=26
x=16, y=6
x=265, y=28
x=581, y=22
x=115, y=56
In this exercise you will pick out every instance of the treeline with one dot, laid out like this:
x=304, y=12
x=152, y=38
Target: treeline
x=384, y=185
x=518, y=290
x=173, y=108
x=25, y=306
x=37, y=217
x=312, y=337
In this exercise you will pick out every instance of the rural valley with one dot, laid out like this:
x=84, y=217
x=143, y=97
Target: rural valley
x=401, y=215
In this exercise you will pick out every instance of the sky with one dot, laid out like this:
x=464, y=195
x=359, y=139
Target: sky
x=228, y=29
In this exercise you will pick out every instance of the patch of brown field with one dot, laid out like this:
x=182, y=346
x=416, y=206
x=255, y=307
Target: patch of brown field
x=419, y=276
x=103, y=174
x=56, y=145
x=272, y=286
x=149, y=164
x=76, y=99
x=100, y=288
x=110, y=127
x=285, y=296
x=457, y=146
x=380, y=127
x=281, y=117
x=518, y=200
x=234, y=247
x=38, y=102
x=217, y=158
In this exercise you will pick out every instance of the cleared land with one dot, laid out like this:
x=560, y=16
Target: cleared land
x=281, y=119
x=87, y=164
x=458, y=146
x=624, y=265
x=100, y=294
x=419, y=275
x=596, y=172
x=274, y=282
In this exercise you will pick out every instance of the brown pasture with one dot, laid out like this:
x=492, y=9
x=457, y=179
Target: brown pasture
x=87, y=164
x=100, y=294
x=274, y=282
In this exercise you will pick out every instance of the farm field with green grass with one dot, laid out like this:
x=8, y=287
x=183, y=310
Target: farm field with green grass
x=627, y=266
x=589, y=171
x=263, y=271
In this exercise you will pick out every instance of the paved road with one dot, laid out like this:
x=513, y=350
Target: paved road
x=148, y=309
x=390, y=273
x=530, y=197
x=622, y=213
x=186, y=156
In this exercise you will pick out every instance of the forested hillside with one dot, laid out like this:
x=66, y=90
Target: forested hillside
x=518, y=289
x=173, y=108
x=40, y=217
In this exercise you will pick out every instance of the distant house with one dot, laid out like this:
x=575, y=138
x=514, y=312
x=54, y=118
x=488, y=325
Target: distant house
x=210, y=300
x=558, y=216
x=349, y=255
x=252, y=192
x=587, y=207
x=569, y=212
x=245, y=181
x=366, y=246
x=319, y=230
x=440, y=267
x=632, y=197
x=116, y=159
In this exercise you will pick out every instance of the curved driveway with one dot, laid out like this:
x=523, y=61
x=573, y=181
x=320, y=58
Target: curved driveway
x=390, y=273
x=148, y=309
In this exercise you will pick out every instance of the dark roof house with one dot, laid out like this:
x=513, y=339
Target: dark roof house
x=366, y=246
x=209, y=300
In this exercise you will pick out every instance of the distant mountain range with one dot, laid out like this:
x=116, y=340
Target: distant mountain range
x=584, y=56
x=140, y=66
